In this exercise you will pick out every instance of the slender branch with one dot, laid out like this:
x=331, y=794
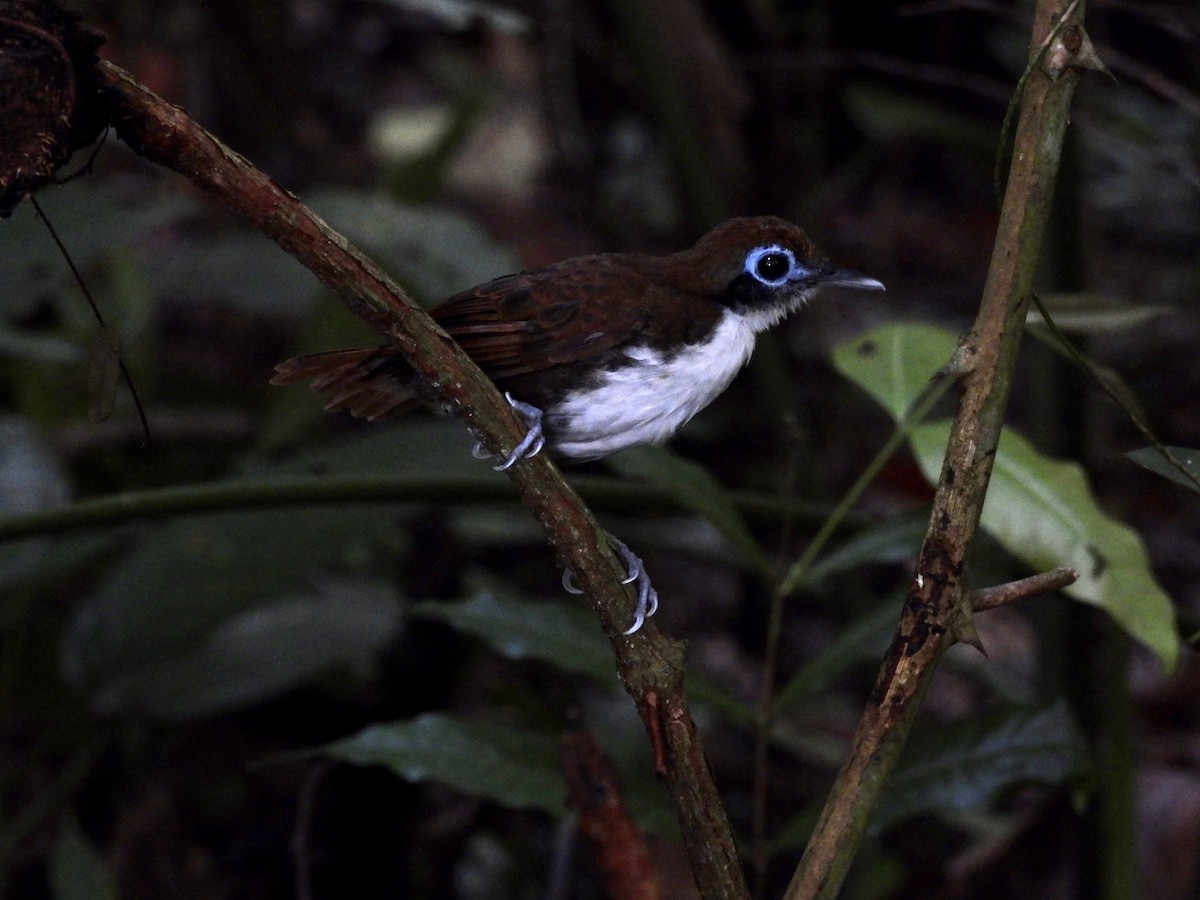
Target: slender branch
x=650, y=664
x=1003, y=594
x=308, y=490
x=935, y=611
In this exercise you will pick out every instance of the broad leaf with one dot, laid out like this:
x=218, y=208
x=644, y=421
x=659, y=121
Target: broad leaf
x=196, y=575
x=1043, y=512
x=94, y=221
x=895, y=363
x=511, y=766
x=432, y=251
x=558, y=633
x=1040, y=509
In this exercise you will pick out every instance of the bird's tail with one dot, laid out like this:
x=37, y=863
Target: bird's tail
x=371, y=383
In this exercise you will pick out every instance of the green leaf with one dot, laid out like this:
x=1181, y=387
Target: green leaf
x=964, y=765
x=171, y=596
x=239, y=269
x=511, y=766
x=1043, y=512
x=895, y=363
x=558, y=633
x=1040, y=509
x=1150, y=458
x=77, y=870
x=694, y=487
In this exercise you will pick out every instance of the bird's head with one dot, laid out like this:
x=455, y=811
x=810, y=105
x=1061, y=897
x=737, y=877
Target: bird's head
x=761, y=267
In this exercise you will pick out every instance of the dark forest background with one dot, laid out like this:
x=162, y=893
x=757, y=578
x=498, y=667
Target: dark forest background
x=167, y=686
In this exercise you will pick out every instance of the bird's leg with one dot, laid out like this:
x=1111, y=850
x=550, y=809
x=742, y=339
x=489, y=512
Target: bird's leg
x=533, y=441
x=647, y=601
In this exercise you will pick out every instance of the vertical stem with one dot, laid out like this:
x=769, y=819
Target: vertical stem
x=936, y=611
x=766, y=698
x=1099, y=695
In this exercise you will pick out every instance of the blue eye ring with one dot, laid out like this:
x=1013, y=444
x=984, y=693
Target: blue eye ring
x=771, y=265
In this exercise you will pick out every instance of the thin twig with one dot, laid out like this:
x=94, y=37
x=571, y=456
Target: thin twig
x=1042, y=583
x=276, y=491
x=766, y=688
x=87, y=294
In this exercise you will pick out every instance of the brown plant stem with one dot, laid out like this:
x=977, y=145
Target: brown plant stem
x=621, y=852
x=648, y=663
x=936, y=611
x=1003, y=594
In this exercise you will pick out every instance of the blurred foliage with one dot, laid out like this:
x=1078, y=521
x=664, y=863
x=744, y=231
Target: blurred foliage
x=174, y=691
x=1153, y=460
x=512, y=766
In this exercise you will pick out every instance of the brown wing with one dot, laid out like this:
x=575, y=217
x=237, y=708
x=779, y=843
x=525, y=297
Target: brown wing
x=568, y=313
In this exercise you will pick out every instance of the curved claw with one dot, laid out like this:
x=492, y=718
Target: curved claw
x=568, y=583
x=534, y=439
x=647, y=605
x=647, y=600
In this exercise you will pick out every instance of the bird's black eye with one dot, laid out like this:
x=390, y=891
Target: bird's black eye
x=771, y=265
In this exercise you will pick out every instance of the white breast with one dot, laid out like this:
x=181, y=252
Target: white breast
x=648, y=400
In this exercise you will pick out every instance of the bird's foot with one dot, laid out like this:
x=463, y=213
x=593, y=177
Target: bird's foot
x=533, y=441
x=647, y=601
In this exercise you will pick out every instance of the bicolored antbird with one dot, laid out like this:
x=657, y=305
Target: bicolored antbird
x=599, y=353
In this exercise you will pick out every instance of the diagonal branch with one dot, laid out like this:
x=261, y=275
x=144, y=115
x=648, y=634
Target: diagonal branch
x=937, y=611
x=650, y=664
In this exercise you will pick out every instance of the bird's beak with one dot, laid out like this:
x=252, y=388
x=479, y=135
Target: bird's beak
x=847, y=278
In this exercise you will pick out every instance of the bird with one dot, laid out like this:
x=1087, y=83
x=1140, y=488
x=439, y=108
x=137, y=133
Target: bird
x=602, y=352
